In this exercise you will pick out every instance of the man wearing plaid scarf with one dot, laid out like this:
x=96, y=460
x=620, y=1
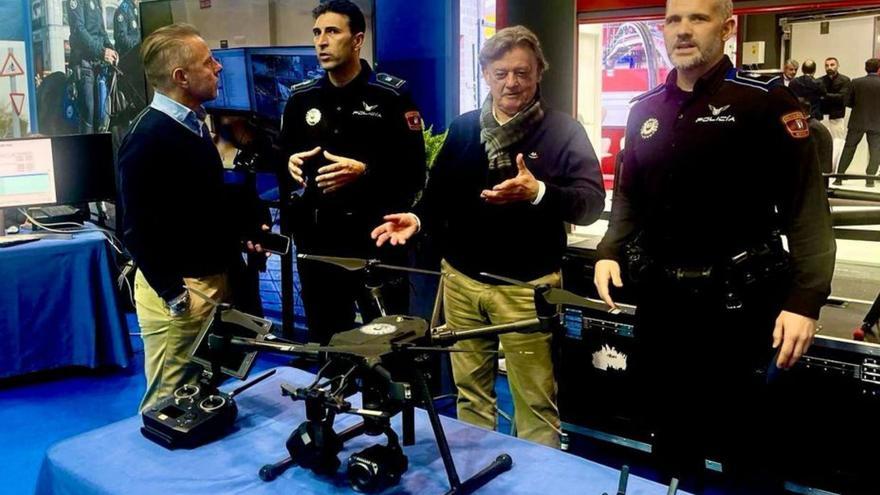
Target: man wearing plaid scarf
x=505, y=182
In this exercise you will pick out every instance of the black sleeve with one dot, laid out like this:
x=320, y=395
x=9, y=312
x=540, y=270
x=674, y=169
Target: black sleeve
x=143, y=233
x=850, y=100
x=430, y=207
x=624, y=218
x=289, y=142
x=93, y=46
x=578, y=194
x=402, y=174
x=803, y=207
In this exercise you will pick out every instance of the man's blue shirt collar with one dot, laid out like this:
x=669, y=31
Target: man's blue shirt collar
x=188, y=118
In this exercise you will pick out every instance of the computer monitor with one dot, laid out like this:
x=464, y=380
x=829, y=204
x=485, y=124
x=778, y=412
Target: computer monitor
x=58, y=169
x=233, y=92
x=273, y=71
x=27, y=172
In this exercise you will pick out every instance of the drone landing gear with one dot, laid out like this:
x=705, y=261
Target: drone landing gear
x=314, y=445
x=501, y=464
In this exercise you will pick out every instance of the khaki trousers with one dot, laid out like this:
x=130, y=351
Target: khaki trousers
x=167, y=339
x=468, y=304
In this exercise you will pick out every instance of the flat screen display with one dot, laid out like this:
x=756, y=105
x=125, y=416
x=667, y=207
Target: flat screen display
x=273, y=71
x=233, y=92
x=60, y=169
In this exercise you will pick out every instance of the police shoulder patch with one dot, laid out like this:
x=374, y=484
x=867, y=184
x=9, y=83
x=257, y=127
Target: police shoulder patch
x=796, y=125
x=389, y=80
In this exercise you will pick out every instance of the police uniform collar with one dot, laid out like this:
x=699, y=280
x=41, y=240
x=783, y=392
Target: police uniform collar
x=365, y=75
x=709, y=82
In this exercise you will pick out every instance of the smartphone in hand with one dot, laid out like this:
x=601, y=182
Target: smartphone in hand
x=272, y=242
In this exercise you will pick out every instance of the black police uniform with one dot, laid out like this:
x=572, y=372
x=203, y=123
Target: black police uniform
x=126, y=27
x=371, y=119
x=708, y=176
x=88, y=39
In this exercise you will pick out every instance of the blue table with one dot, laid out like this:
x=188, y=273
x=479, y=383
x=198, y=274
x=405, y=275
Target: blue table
x=116, y=459
x=58, y=306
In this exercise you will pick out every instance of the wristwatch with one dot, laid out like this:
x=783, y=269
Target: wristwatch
x=179, y=306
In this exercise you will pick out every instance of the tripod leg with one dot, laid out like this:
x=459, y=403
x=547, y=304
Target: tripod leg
x=439, y=435
x=409, y=426
x=271, y=471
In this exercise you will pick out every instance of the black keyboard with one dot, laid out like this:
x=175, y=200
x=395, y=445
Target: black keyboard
x=55, y=211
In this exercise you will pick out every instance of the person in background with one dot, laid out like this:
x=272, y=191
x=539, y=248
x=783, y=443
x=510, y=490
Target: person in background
x=864, y=99
x=821, y=137
x=89, y=47
x=837, y=87
x=126, y=27
x=809, y=88
x=789, y=71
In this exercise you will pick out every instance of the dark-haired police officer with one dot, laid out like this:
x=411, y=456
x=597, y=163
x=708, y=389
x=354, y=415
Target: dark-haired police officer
x=89, y=46
x=126, y=27
x=715, y=165
x=354, y=141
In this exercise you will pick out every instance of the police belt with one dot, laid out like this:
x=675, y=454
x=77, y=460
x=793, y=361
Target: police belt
x=733, y=276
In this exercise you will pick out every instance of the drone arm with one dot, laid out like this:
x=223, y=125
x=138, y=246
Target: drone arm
x=449, y=335
x=261, y=345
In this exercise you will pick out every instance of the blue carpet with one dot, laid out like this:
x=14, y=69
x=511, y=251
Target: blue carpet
x=38, y=410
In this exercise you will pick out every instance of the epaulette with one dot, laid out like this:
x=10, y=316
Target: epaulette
x=644, y=96
x=303, y=85
x=389, y=80
x=760, y=81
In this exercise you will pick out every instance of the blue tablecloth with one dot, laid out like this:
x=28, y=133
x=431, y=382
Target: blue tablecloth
x=58, y=306
x=116, y=459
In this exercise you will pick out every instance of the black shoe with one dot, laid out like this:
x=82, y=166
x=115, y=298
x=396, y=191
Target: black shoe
x=869, y=183
x=837, y=182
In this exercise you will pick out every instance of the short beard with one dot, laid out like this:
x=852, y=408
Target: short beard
x=703, y=58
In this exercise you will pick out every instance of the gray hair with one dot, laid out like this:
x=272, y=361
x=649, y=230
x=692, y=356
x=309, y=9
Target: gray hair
x=166, y=49
x=509, y=38
x=725, y=8
x=792, y=63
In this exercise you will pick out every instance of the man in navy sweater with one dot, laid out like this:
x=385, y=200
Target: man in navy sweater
x=505, y=182
x=175, y=218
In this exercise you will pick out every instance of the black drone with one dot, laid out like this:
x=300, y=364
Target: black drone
x=386, y=360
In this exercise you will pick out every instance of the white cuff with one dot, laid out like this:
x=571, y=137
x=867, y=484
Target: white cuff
x=541, y=190
x=418, y=223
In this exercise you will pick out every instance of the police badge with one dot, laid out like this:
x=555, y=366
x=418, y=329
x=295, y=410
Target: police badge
x=649, y=128
x=313, y=116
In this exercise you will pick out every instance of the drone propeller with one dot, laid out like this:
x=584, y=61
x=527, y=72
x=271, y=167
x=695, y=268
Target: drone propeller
x=350, y=264
x=408, y=269
x=354, y=264
x=557, y=296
